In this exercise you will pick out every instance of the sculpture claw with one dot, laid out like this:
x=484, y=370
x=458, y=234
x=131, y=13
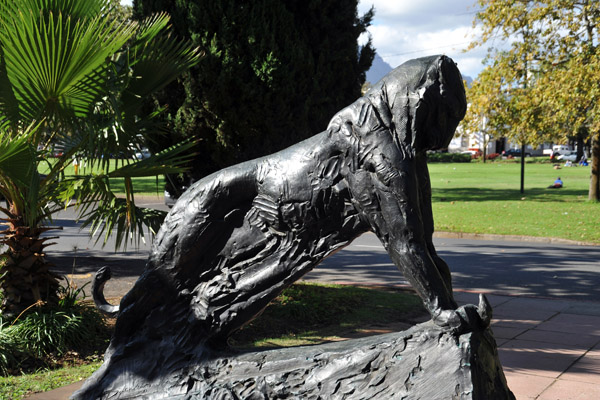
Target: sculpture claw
x=484, y=309
x=466, y=318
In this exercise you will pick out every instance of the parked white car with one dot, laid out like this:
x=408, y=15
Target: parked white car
x=572, y=156
x=561, y=149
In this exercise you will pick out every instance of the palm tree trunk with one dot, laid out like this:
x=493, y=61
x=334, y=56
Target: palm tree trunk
x=26, y=278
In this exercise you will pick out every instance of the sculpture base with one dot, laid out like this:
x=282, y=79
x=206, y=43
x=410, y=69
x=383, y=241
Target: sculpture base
x=423, y=362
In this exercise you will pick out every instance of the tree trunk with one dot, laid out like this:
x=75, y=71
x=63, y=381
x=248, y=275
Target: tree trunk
x=594, y=193
x=25, y=276
x=579, y=148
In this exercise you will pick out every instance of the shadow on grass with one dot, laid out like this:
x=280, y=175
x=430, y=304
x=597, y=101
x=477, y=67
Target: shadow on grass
x=306, y=314
x=485, y=194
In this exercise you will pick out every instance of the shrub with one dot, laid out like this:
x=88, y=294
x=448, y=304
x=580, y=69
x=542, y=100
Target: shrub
x=10, y=351
x=37, y=337
x=55, y=331
x=448, y=157
x=41, y=334
x=70, y=295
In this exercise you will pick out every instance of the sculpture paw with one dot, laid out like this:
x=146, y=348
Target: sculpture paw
x=466, y=318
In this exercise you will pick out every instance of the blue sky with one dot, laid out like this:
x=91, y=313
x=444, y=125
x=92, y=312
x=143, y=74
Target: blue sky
x=405, y=29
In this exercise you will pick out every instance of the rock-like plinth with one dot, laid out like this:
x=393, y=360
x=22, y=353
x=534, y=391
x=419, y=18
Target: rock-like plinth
x=424, y=362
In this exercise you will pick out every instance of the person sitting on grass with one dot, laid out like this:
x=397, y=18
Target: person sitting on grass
x=557, y=184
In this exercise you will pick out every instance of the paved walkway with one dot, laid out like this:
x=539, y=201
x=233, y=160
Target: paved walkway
x=549, y=349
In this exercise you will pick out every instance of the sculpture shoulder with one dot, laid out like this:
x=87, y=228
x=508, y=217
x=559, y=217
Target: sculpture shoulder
x=292, y=173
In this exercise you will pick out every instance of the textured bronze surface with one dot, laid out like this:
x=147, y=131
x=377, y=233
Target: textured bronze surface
x=237, y=238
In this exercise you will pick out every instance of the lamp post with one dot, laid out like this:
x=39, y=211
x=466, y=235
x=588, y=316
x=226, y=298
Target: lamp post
x=522, y=167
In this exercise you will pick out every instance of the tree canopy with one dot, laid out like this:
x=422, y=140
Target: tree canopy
x=273, y=72
x=541, y=83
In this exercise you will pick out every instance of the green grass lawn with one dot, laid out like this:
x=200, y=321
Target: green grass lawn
x=486, y=198
x=21, y=386
x=147, y=186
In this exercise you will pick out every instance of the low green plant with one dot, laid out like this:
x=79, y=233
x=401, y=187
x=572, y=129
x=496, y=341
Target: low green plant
x=42, y=334
x=69, y=295
x=10, y=351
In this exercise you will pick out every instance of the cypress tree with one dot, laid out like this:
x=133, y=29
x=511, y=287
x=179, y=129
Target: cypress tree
x=273, y=73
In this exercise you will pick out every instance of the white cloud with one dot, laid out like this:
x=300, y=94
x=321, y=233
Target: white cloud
x=405, y=29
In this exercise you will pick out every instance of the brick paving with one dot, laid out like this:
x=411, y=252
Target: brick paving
x=549, y=349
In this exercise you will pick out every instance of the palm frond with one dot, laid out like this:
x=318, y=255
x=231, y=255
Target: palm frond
x=9, y=107
x=107, y=214
x=29, y=194
x=155, y=59
x=75, y=8
x=151, y=27
x=126, y=223
x=157, y=62
x=17, y=158
x=65, y=63
x=56, y=64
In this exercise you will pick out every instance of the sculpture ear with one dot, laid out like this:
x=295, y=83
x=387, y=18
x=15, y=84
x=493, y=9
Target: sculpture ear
x=452, y=88
x=441, y=107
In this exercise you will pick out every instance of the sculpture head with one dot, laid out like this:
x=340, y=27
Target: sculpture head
x=426, y=100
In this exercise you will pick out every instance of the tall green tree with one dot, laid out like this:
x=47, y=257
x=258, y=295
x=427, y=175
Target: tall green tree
x=273, y=72
x=72, y=73
x=550, y=69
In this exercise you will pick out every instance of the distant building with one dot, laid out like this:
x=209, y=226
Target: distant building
x=474, y=141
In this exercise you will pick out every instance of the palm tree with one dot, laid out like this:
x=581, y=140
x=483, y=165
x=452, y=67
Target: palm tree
x=72, y=73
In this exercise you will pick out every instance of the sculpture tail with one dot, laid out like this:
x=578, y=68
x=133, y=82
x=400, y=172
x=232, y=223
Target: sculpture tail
x=100, y=278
